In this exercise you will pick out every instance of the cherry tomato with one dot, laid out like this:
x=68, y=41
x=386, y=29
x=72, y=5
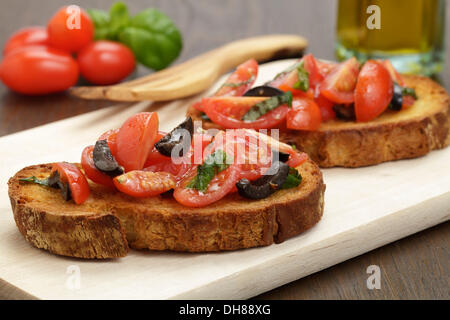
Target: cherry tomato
x=38, y=70
x=111, y=138
x=326, y=107
x=238, y=82
x=26, y=37
x=304, y=115
x=143, y=184
x=325, y=67
x=78, y=184
x=396, y=77
x=154, y=156
x=338, y=86
x=135, y=139
x=227, y=112
x=106, y=62
x=408, y=101
x=87, y=163
x=374, y=91
x=70, y=29
x=219, y=187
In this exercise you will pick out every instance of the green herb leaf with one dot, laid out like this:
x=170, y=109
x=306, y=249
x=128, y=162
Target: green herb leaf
x=238, y=84
x=293, y=179
x=205, y=117
x=265, y=106
x=303, y=77
x=215, y=163
x=33, y=179
x=153, y=38
x=119, y=19
x=101, y=21
x=409, y=92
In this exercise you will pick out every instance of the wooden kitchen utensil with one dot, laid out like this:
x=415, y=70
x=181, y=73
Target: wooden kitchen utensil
x=197, y=74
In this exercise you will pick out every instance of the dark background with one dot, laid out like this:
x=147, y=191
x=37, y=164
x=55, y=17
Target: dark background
x=416, y=267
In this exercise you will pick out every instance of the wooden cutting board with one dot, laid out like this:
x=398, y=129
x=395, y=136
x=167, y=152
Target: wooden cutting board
x=365, y=208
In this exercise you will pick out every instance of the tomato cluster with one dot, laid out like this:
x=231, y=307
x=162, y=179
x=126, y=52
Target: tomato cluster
x=39, y=60
x=317, y=87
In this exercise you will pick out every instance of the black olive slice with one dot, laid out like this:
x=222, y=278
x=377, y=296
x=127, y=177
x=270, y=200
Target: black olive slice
x=344, y=112
x=176, y=137
x=54, y=181
x=280, y=156
x=104, y=160
x=263, y=91
x=397, y=98
x=266, y=185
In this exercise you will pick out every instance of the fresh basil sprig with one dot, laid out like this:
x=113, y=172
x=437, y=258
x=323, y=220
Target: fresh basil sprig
x=151, y=35
x=33, y=179
x=214, y=163
x=293, y=179
x=265, y=106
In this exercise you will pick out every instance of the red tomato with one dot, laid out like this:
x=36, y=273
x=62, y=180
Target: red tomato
x=106, y=62
x=26, y=37
x=70, y=29
x=219, y=187
x=245, y=74
x=339, y=85
x=227, y=112
x=87, y=163
x=154, y=156
x=135, y=139
x=78, y=184
x=111, y=138
x=396, y=77
x=325, y=67
x=38, y=70
x=304, y=115
x=326, y=107
x=374, y=91
x=142, y=184
x=408, y=101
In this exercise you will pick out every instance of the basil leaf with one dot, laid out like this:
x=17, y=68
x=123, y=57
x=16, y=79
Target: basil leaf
x=101, y=21
x=409, y=92
x=293, y=179
x=33, y=179
x=119, y=19
x=153, y=38
x=215, y=163
x=265, y=106
x=303, y=77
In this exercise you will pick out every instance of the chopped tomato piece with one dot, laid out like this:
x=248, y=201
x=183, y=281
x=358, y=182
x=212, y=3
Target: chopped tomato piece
x=154, y=156
x=396, y=77
x=143, y=184
x=87, y=163
x=79, y=187
x=135, y=139
x=408, y=101
x=228, y=111
x=326, y=107
x=325, y=67
x=374, y=91
x=111, y=137
x=339, y=85
x=304, y=115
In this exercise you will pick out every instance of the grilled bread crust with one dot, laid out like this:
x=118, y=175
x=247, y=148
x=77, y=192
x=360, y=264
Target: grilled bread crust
x=394, y=135
x=109, y=222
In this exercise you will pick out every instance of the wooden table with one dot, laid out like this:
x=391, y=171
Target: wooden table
x=416, y=267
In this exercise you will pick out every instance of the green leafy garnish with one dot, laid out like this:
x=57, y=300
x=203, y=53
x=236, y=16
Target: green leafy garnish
x=265, y=106
x=33, y=179
x=293, y=179
x=238, y=84
x=151, y=35
x=409, y=92
x=303, y=77
x=204, y=116
x=214, y=163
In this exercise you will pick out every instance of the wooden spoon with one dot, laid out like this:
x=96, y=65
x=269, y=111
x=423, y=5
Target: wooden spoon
x=197, y=74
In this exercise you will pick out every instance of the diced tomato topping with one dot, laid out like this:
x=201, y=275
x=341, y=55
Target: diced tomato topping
x=143, y=184
x=87, y=163
x=304, y=115
x=79, y=187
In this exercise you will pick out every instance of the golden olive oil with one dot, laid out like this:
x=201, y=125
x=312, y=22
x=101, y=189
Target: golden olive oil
x=408, y=32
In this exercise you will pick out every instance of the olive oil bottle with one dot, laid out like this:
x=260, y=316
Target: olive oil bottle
x=408, y=32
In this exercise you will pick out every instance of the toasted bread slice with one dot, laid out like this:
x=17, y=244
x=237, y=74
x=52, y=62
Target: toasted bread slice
x=394, y=135
x=109, y=221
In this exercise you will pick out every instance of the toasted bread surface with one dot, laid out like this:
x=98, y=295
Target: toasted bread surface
x=109, y=221
x=394, y=135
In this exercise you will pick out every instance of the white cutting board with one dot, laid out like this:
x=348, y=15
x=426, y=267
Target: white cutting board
x=365, y=208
